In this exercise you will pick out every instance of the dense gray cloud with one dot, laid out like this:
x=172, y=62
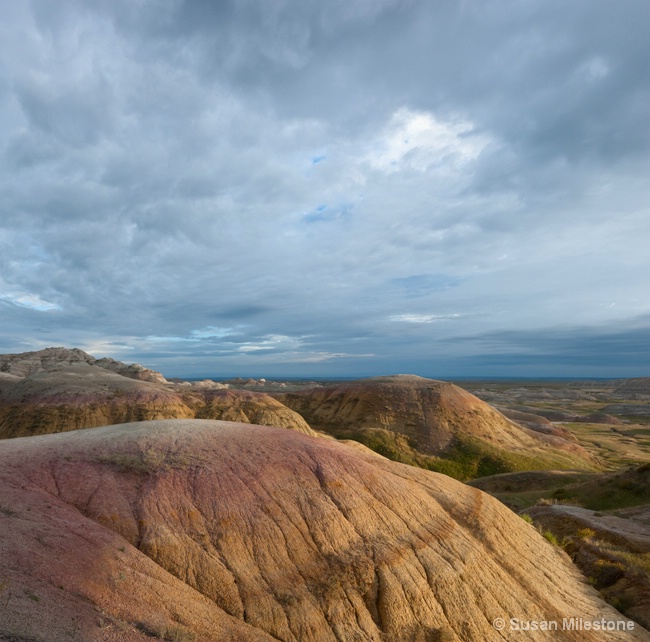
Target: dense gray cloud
x=449, y=188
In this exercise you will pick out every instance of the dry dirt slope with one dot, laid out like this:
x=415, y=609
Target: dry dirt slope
x=437, y=418
x=210, y=530
x=82, y=395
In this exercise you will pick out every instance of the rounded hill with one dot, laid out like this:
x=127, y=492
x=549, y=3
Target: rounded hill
x=428, y=422
x=236, y=532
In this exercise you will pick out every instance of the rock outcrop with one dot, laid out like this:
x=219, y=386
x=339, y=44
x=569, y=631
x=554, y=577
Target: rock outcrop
x=8, y=380
x=132, y=370
x=434, y=416
x=528, y=419
x=538, y=423
x=205, y=530
x=246, y=406
x=29, y=363
x=84, y=395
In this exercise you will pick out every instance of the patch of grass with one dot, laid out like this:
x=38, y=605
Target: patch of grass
x=527, y=518
x=7, y=512
x=598, y=492
x=549, y=536
x=103, y=623
x=616, y=446
x=178, y=634
x=146, y=462
x=637, y=563
x=622, y=603
x=32, y=596
x=163, y=631
x=466, y=459
x=629, y=488
x=607, y=572
x=560, y=493
x=469, y=460
x=125, y=462
x=636, y=419
x=153, y=459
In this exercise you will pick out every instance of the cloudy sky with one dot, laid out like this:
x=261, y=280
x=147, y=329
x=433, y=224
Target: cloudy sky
x=342, y=188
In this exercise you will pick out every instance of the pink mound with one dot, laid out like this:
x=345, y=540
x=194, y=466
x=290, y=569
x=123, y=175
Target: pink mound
x=208, y=530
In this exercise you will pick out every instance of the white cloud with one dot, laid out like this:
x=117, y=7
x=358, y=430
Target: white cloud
x=595, y=68
x=418, y=140
x=213, y=332
x=306, y=183
x=276, y=342
x=318, y=357
x=423, y=318
x=115, y=349
x=30, y=301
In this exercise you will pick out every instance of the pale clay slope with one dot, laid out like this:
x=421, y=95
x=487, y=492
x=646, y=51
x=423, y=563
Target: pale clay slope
x=239, y=532
x=84, y=395
x=633, y=533
x=431, y=413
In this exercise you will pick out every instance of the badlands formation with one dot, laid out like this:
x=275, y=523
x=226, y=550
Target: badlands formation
x=411, y=419
x=436, y=418
x=27, y=363
x=81, y=396
x=186, y=511
x=217, y=531
x=56, y=390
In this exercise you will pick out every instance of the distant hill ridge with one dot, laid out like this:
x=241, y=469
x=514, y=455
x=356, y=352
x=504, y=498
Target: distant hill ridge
x=421, y=421
x=28, y=363
x=60, y=389
x=634, y=389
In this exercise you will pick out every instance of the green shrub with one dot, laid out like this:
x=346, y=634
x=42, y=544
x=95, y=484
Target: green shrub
x=622, y=603
x=178, y=634
x=467, y=458
x=550, y=537
x=607, y=573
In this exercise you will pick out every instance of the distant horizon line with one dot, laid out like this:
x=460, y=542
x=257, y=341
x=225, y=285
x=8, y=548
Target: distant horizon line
x=222, y=378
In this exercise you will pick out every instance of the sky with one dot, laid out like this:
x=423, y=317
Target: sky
x=343, y=188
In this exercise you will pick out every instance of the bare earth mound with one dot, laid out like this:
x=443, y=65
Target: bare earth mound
x=634, y=389
x=82, y=396
x=70, y=397
x=436, y=418
x=29, y=363
x=245, y=406
x=207, y=530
